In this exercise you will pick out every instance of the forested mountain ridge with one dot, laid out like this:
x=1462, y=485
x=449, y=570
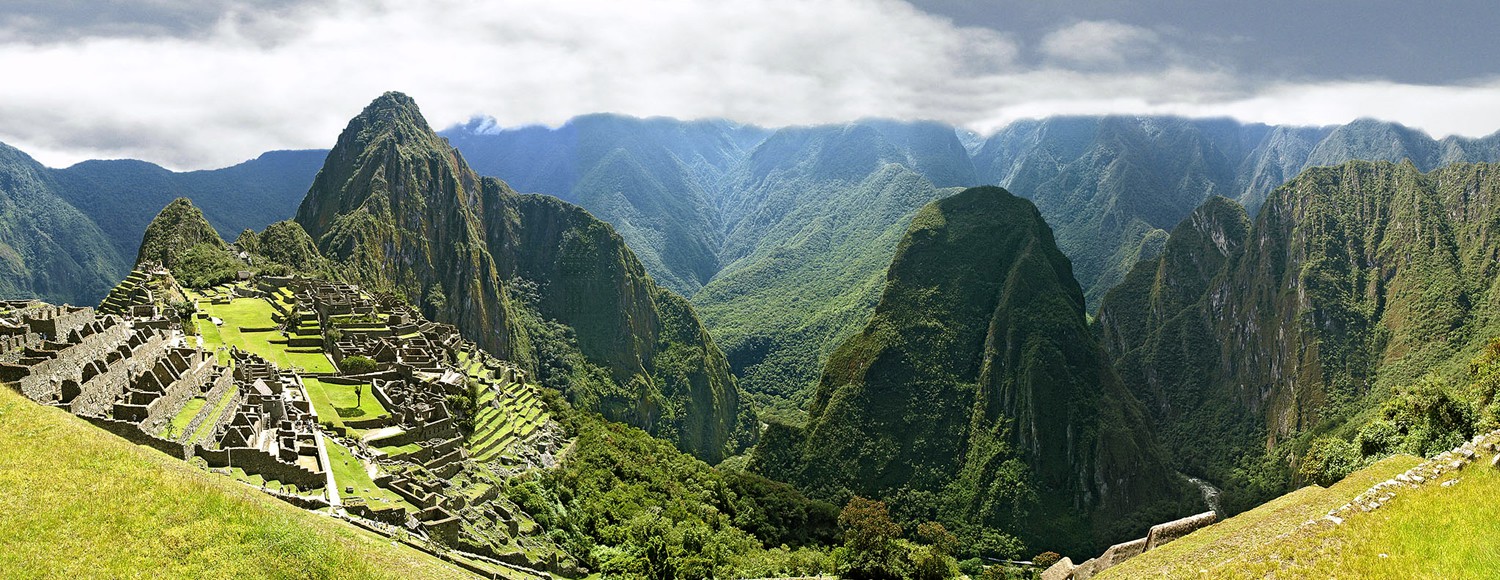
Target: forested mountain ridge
x=97, y=211
x=655, y=180
x=810, y=215
x=1113, y=186
x=49, y=249
x=1350, y=284
x=978, y=385
x=780, y=237
x=531, y=278
x=121, y=195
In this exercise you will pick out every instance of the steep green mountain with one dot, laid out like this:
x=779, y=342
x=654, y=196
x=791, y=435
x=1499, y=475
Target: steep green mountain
x=283, y=244
x=1245, y=338
x=977, y=384
x=181, y=239
x=531, y=278
x=781, y=239
x=654, y=180
x=120, y=195
x=814, y=216
x=49, y=249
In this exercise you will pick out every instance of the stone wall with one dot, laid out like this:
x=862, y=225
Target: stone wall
x=132, y=432
x=221, y=385
x=225, y=417
x=1160, y=534
x=98, y=394
x=41, y=380
x=12, y=346
x=257, y=462
x=190, y=384
x=56, y=322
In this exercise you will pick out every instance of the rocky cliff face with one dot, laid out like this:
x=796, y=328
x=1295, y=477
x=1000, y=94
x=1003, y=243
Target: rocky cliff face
x=977, y=379
x=397, y=208
x=1243, y=335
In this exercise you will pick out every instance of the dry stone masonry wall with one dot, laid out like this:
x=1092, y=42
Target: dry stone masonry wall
x=1159, y=535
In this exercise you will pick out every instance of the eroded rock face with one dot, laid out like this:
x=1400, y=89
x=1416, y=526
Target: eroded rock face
x=398, y=209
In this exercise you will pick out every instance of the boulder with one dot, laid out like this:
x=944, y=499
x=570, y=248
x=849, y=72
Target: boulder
x=1062, y=570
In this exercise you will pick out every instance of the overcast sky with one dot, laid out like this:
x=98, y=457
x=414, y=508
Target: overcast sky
x=206, y=83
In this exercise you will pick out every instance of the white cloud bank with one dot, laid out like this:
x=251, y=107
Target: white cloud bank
x=291, y=80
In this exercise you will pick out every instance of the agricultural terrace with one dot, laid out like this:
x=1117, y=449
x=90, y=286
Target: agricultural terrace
x=508, y=412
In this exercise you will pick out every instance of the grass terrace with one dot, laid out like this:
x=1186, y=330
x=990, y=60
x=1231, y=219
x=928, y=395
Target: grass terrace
x=519, y=414
x=337, y=403
x=250, y=323
x=185, y=416
x=206, y=427
x=1270, y=533
x=349, y=472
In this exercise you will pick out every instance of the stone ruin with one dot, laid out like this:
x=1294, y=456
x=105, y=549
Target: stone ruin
x=134, y=377
x=134, y=380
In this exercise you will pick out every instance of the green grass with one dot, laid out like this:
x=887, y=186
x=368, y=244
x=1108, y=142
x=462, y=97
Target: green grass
x=185, y=416
x=348, y=472
x=1431, y=532
x=1223, y=549
x=78, y=502
x=206, y=427
x=243, y=313
x=336, y=403
x=400, y=449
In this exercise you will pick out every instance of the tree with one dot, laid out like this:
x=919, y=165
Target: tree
x=358, y=365
x=937, y=536
x=359, y=395
x=870, y=540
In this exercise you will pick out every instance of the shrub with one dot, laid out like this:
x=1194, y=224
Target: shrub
x=1046, y=559
x=358, y=365
x=1328, y=460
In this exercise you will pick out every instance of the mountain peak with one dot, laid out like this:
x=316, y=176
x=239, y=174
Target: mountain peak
x=393, y=108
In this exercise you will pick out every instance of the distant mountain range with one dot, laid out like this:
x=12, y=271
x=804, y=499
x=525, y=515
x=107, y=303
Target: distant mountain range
x=779, y=237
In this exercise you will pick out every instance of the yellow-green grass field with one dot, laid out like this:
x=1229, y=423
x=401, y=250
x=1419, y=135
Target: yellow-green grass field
x=336, y=403
x=206, y=427
x=76, y=501
x=1428, y=532
x=349, y=472
x=256, y=313
x=185, y=416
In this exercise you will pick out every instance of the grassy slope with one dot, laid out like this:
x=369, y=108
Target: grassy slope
x=75, y=501
x=1432, y=532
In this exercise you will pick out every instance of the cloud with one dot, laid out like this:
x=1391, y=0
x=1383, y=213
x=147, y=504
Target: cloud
x=1095, y=42
x=253, y=80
